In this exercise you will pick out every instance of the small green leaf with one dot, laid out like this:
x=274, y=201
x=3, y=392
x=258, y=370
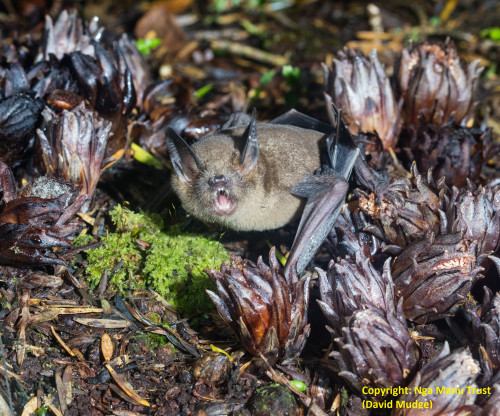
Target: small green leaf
x=291, y=72
x=492, y=33
x=267, y=77
x=299, y=385
x=434, y=21
x=145, y=46
x=145, y=157
x=203, y=91
x=281, y=258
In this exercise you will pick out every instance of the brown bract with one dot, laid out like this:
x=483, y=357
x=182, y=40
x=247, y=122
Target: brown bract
x=486, y=326
x=360, y=88
x=266, y=309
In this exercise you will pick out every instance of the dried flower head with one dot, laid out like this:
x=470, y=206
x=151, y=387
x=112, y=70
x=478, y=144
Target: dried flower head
x=434, y=275
x=73, y=146
x=267, y=310
x=350, y=286
x=374, y=346
x=375, y=349
x=409, y=210
x=476, y=212
x=447, y=381
x=68, y=34
x=136, y=65
x=436, y=85
x=360, y=88
x=405, y=211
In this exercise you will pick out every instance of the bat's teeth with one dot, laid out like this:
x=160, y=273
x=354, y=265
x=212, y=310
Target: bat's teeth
x=223, y=204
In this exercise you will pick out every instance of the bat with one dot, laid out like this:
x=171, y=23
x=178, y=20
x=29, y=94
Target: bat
x=260, y=176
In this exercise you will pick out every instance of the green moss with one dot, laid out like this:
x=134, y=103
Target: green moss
x=116, y=247
x=81, y=240
x=175, y=263
x=170, y=262
x=152, y=341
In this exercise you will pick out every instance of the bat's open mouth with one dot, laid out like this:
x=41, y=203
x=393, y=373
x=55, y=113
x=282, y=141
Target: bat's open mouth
x=223, y=203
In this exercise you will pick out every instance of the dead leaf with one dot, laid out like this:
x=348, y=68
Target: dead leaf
x=126, y=387
x=67, y=379
x=63, y=344
x=104, y=323
x=61, y=392
x=30, y=407
x=107, y=347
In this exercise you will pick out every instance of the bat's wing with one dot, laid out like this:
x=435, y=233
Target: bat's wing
x=325, y=192
x=325, y=195
x=237, y=120
x=298, y=119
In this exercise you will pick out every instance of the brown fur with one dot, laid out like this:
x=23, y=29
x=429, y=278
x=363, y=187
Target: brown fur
x=262, y=198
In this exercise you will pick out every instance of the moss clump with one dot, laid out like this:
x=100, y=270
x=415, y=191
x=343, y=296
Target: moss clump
x=170, y=262
x=175, y=263
x=117, y=247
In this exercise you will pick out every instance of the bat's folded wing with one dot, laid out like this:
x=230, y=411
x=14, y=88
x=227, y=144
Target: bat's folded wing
x=325, y=192
x=325, y=195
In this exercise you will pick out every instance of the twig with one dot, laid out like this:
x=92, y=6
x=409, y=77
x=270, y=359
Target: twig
x=249, y=52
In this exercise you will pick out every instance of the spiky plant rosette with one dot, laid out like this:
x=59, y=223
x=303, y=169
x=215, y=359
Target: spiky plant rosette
x=446, y=383
x=435, y=275
x=375, y=349
x=404, y=211
x=410, y=209
x=350, y=285
x=437, y=86
x=374, y=346
x=360, y=87
x=73, y=146
x=475, y=210
x=266, y=309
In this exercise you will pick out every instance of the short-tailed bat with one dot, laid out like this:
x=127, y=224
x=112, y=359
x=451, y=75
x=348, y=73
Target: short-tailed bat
x=260, y=176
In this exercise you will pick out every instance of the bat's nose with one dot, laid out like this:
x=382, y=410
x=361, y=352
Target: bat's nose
x=218, y=180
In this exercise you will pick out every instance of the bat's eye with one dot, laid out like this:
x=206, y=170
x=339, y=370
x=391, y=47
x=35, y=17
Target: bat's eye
x=218, y=180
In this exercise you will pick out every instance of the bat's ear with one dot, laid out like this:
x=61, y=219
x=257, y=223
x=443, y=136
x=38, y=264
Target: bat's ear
x=250, y=153
x=184, y=160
